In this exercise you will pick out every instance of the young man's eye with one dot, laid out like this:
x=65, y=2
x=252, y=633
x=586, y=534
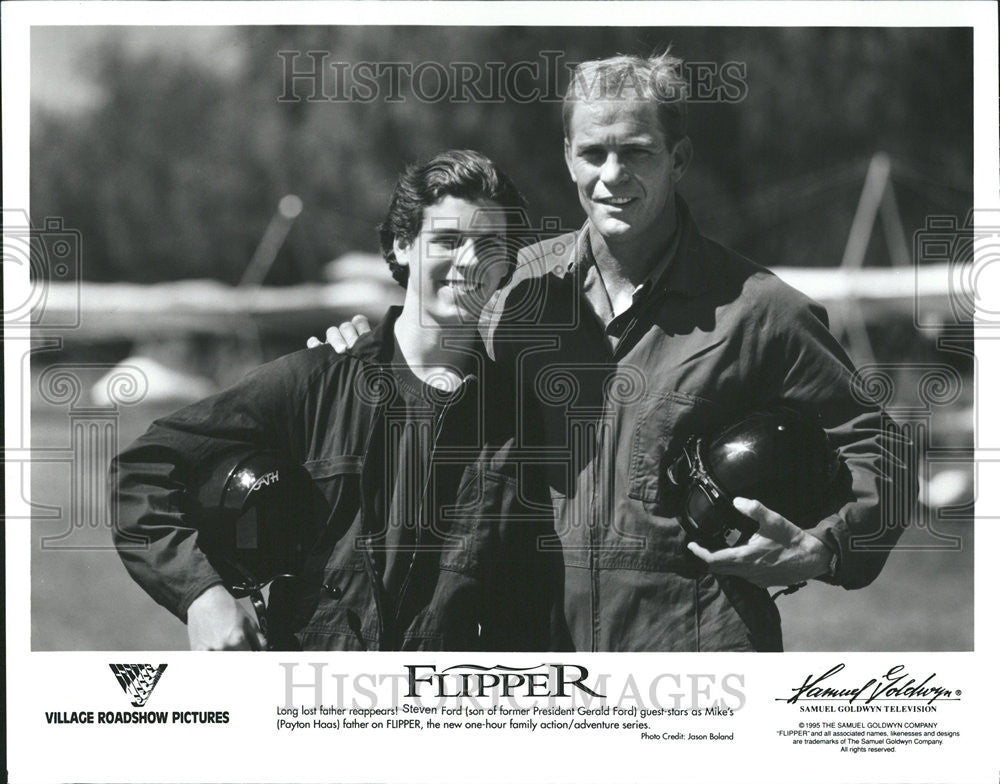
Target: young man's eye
x=445, y=242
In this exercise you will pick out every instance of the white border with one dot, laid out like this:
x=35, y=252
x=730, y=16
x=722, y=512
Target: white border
x=724, y=13
x=198, y=680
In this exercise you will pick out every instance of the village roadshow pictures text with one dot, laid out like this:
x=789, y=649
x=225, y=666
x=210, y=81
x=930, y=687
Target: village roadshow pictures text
x=192, y=190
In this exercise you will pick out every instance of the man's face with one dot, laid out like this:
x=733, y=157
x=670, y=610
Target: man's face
x=624, y=171
x=456, y=261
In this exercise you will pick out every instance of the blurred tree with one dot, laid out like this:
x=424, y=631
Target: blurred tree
x=177, y=171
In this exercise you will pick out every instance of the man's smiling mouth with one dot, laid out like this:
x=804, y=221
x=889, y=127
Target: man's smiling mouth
x=464, y=286
x=615, y=201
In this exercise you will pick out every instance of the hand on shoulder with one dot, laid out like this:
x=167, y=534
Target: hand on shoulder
x=343, y=337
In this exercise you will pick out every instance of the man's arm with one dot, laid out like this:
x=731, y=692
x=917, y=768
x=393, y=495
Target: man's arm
x=344, y=336
x=877, y=453
x=801, y=362
x=153, y=489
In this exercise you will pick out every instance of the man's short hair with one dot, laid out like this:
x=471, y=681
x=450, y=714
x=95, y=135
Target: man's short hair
x=659, y=78
x=464, y=174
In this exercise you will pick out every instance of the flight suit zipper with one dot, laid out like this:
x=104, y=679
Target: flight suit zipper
x=595, y=540
x=368, y=553
x=400, y=598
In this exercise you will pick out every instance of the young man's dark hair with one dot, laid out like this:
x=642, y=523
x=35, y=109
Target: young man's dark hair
x=464, y=174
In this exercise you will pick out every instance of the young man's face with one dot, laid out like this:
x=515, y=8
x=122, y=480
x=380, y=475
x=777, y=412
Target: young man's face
x=624, y=170
x=456, y=261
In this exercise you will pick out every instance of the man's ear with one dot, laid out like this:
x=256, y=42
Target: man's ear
x=681, y=158
x=401, y=250
x=568, y=157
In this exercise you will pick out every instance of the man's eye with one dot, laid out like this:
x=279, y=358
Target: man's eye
x=445, y=242
x=592, y=155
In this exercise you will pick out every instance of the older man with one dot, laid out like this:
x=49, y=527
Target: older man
x=636, y=332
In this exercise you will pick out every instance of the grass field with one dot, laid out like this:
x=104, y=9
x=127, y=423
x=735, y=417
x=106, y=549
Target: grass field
x=83, y=599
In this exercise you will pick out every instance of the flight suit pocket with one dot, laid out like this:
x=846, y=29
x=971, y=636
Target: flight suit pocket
x=469, y=534
x=334, y=566
x=338, y=481
x=667, y=421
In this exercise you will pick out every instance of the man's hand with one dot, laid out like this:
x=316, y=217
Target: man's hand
x=780, y=553
x=344, y=336
x=217, y=622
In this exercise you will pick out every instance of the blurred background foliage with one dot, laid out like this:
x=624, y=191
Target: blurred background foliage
x=170, y=158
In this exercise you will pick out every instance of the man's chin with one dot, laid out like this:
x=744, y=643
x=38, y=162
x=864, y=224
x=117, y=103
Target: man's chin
x=613, y=228
x=459, y=316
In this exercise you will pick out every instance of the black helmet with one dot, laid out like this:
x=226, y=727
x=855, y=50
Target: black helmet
x=777, y=455
x=255, y=519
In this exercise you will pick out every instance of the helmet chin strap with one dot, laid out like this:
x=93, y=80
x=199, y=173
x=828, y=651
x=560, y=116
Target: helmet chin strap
x=254, y=590
x=260, y=608
x=789, y=589
x=690, y=472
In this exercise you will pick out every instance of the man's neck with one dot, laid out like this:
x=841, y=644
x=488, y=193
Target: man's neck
x=422, y=348
x=625, y=265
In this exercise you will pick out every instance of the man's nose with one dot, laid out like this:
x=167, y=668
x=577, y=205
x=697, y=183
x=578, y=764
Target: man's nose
x=612, y=171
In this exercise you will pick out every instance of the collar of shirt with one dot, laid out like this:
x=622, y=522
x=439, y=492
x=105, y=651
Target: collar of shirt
x=596, y=292
x=379, y=349
x=413, y=390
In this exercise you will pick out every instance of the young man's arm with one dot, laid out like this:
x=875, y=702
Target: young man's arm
x=153, y=492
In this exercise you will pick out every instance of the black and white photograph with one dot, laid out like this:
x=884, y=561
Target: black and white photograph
x=474, y=344
x=232, y=188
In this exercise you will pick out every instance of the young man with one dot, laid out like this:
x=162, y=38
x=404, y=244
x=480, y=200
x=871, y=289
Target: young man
x=406, y=437
x=655, y=333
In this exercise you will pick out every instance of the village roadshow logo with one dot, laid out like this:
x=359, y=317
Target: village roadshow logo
x=894, y=691
x=138, y=682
